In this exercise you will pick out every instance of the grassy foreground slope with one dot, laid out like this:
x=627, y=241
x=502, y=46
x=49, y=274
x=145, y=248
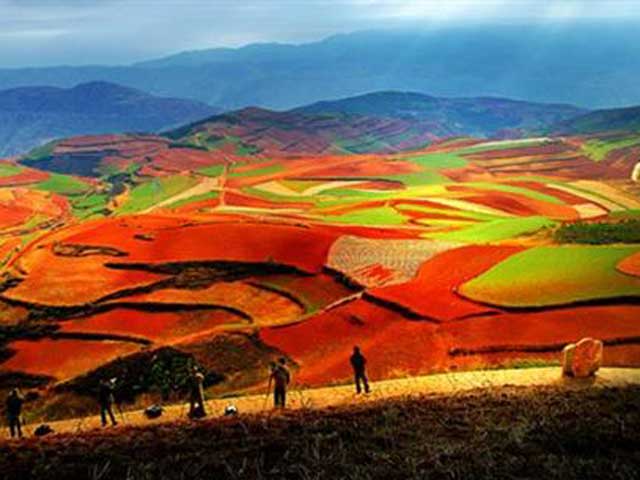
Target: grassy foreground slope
x=542, y=432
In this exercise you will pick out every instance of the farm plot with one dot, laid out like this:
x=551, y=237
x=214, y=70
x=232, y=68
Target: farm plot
x=249, y=303
x=433, y=292
x=546, y=276
x=63, y=359
x=158, y=327
x=371, y=262
x=321, y=345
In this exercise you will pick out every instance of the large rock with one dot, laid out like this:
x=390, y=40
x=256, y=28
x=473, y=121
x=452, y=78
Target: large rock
x=567, y=359
x=587, y=357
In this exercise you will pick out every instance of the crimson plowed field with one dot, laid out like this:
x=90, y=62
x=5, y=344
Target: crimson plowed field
x=322, y=345
x=433, y=292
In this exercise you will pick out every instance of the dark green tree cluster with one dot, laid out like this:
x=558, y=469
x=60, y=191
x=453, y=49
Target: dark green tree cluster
x=600, y=233
x=165, y=371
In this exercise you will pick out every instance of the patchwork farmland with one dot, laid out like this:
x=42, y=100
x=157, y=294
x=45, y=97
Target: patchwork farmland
x=120, y=253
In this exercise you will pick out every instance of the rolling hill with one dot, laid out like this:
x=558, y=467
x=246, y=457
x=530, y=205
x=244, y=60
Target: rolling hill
x=481, y=117
x=262, y=131
x=614, y=119
x=30, y=116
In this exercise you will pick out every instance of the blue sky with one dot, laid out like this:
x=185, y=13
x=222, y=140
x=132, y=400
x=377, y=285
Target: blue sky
x=53, y=32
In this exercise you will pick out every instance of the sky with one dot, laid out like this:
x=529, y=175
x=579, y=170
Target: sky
x=78, y=32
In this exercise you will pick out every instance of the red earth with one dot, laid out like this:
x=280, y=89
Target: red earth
x=432, y=293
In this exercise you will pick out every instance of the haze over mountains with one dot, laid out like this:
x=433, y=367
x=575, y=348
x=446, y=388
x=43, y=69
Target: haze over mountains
x=30, y=116
x=543, y=64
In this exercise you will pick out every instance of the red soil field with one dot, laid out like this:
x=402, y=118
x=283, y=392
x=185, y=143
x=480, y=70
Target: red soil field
x=176, y=160
x=19, y=205
x=620, y=163
x=551, y=327
x=8, y=246
x=630, y=265
x=368, y=168
x=304, y=248
x=321, y=345
x=13, y=215
x=561, y=195
x=156, y=326
x=244, y=200
x=517, y=204
x=54, y=279
x=68, y=281
x=379, y=185
x=264, y=307
x=63, y=359
x=469, y=173
x=542, y=150
x=26, y=177
x=433, y=292
x=343, y=209
x=396, y=346
x=314, y=292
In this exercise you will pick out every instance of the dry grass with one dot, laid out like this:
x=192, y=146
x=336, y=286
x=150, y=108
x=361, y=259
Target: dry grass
x=522, y=433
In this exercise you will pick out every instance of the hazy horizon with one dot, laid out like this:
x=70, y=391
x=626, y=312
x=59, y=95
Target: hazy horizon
x=36, y=33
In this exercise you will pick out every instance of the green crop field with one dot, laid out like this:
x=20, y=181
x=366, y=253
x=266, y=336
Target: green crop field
x=496, y=230
x=599, y=149
x=63, y=184
x=439, y=160
x=545, y=276
x=8, y=170
x=370, y=216
x=212, y=171
x=194, y=199
x=157, y=190
x=496, y=146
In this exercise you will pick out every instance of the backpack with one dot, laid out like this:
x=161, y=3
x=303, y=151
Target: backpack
x=43, y=430
x=153, y=411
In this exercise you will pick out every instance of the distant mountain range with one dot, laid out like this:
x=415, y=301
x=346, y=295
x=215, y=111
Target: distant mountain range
x=478, y=117
x=30, y=116
x=595, y=66
x=382, y=121
x=614, y=119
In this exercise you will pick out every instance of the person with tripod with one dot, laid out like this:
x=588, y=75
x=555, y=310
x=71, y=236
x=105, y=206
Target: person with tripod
x=106, y=400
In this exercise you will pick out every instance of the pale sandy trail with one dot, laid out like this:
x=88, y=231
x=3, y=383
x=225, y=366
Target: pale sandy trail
x=439, y=384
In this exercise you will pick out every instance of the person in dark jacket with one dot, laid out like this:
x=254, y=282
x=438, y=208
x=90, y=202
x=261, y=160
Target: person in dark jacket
x=280, y=377
x=196, y=394
x=106, y=400
x=14, y=411
x=359, y=363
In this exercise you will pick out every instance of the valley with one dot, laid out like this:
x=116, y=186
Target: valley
x=253, y=235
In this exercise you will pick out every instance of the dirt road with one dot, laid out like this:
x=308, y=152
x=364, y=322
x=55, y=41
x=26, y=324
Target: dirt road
x=449, y=384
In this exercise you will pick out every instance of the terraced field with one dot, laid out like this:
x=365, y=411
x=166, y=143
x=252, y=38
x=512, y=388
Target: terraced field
x=125, y=255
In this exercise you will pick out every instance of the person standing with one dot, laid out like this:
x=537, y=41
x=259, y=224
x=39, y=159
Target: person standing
x=14, y=412
x=280, y=377
x=196, y=394
x=106, y=399
x=359, y=363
